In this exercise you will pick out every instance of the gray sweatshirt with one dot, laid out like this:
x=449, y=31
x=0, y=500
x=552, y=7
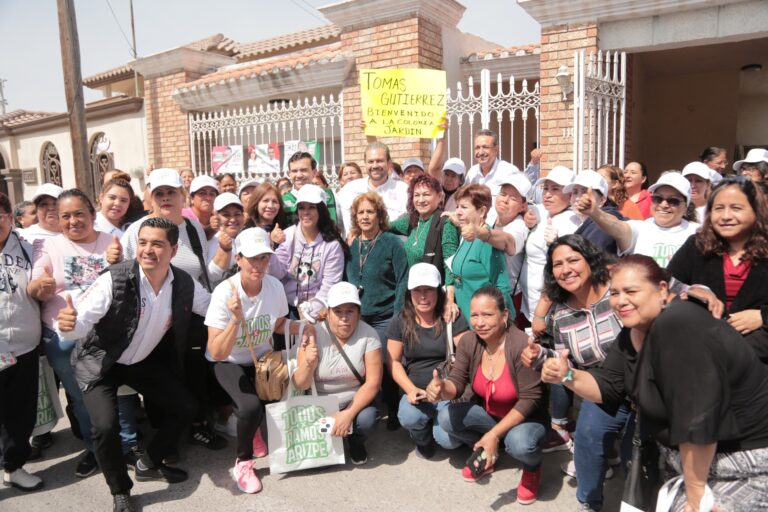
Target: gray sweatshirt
x=20, y=325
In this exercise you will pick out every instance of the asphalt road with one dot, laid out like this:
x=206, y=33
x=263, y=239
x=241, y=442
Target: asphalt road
x=393, y=479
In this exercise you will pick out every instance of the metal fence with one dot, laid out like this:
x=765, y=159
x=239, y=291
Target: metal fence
x=599, y=109
x=511, y=111
x=306, y=121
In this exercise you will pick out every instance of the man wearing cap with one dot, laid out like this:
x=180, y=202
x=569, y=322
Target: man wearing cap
x=131, y=325
x=754, y=165
x=47, y=226
x=394, y=192
x=489, y=168
x=203, y=192
x=301, y=169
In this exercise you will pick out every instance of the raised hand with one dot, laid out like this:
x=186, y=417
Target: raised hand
x=586, y=204
x=114, y=252
x=555, y=368
x=472, y=230
x=310, y=352
x=277, y=235
x=46, y=285
x=225, y=241
x=530, y=218
x=453, y=217
x=530, y=353
x=67, y=316
x=435, y=388
x=235, y=306
x=550, y=232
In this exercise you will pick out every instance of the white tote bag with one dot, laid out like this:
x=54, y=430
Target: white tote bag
x=299, y=429
x=669, y=491
x=48, y=404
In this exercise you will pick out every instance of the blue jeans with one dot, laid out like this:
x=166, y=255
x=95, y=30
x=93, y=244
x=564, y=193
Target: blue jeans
x=596, y=432
x=419, y=420
x=58, y=352
x=465, y=423
x=126, y=409
x=560, y=399
x=363, y=425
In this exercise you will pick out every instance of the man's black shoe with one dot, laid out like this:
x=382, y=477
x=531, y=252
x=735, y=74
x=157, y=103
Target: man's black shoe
x=132, y=457
x=122, y=503
x=87, y=465
x=201, y=435
x=159, y=472
x=42, y=441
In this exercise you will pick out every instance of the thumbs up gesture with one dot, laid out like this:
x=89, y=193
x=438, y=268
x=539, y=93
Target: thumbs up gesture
x=472, y=230
x=530, y=353
x=586, y=204
x=277, y=235
x=114, y=251
x=67, y=316
x=235, y=306
x=44, y=287
x=550, y=232
x=555, y=368
x=310, y=352
x=435, y=388
x=225, y=241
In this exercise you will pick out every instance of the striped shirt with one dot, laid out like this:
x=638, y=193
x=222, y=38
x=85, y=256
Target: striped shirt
x=586, y=333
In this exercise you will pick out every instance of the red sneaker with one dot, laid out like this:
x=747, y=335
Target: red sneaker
x=466, y=474
x=556, y=440
x=528, y=490
x=259, y=447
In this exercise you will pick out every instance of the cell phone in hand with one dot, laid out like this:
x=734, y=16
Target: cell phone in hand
x=476, y=462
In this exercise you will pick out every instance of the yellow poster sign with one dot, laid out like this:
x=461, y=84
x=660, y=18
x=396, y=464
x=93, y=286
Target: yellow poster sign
x=403, y=102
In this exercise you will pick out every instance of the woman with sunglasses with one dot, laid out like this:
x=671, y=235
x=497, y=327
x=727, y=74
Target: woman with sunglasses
x=658, y=237
x=729, y=255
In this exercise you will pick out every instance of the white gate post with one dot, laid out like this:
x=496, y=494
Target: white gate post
x=485, y=94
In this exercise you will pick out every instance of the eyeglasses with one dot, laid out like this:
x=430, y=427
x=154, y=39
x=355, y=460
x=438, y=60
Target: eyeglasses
x=748, y=168
x=674, y=202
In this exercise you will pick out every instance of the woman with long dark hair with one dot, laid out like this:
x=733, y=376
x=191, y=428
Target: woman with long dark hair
x=265, y=210
x=311, y=259
x=417, y=345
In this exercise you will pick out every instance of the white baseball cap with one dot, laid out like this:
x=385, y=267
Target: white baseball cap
x=311, y=194
x=342, y=293
x=559, y=174
x=675, y=180
x=455, y=165
x=409, y=162
x=252, y=242
x=754, y=156
x=251, y=182
x=521, y=183
x=716, y=177
x=165, y=177
x=226, y=199
x=699, y=169
x=424, y=274
x=588, y=179
x=203, y=181
x=48, y=189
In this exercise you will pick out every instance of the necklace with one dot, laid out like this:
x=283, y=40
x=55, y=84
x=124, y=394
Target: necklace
x=419, y=231
x=457, y=275
x=361, y=259
x=499, y=350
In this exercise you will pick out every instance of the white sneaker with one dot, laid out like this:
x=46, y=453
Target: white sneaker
x=569, y=468
x=229, y=428
x=20, y=479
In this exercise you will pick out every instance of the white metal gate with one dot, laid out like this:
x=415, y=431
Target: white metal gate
x=487, y=109
x=274, y=123
x=599, y=108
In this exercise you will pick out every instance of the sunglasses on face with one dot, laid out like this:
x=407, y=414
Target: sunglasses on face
x=674, y=202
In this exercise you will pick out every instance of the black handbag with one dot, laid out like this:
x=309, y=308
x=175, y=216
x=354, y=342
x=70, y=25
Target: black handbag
x=643, y=481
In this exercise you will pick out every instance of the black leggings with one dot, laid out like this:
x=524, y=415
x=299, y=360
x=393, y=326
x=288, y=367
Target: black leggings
x=18, y=409
x=237, y=381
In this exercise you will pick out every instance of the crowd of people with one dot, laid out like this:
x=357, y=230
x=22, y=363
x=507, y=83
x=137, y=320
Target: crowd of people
x=498, y=309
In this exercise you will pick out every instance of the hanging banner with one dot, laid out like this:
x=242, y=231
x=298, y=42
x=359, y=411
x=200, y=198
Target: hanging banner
x=227, y=159
x=292, y=146
x=403, y=102
x=264, y=158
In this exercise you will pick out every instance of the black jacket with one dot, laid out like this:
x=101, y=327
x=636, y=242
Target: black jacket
x=690, y=266
x=103, y=346
x=592, y=232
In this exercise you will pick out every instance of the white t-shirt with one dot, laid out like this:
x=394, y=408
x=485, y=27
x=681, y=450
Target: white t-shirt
x=102, y=224
x=260, y=313
x=657, y=242
x=532, y=277
x=519, y=232
x=333, y=376
x=393, y=192
x=34, y=233
x=500, y=169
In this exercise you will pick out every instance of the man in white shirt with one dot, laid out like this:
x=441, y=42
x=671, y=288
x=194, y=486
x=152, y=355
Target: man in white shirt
x=128, y=323
x=489, y=169
x=394, y=192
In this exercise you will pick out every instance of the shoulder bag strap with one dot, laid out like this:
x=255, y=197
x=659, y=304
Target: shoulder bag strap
x=344, y=354
x=197, y=248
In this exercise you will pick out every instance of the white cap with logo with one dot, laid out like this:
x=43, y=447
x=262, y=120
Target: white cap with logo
x=675, y=180
x=559, y=174
x=164, y=177
x=252, y=242
x=520, y=181
x=311, y=194
x=588, y=179
x=699, y=169
x=455, y=165
x=424, y=274
x=343, y=293
x=48, y=189
x=203, y=181
x=226, y=199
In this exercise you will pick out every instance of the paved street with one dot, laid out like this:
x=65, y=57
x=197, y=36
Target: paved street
x=393, y=479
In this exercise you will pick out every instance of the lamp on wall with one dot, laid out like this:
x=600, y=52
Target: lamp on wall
x=566, y=86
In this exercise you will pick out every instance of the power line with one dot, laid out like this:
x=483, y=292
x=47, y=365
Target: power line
x=117, y=22
x=310, y=11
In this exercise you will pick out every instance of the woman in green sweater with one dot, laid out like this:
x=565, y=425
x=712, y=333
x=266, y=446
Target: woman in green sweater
x=379, y=269
x=476, y=263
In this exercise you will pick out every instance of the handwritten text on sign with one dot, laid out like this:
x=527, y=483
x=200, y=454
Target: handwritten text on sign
x=403, y=102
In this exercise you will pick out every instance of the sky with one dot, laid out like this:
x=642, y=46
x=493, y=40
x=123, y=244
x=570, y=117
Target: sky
x=30, y=55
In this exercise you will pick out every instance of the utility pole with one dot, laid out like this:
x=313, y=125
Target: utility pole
x=135, y=55
x=73, y=88
x=3, y=102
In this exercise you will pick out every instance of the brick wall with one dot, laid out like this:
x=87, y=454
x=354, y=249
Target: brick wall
x=558, y=44
x=409, y=43
x=167, y=123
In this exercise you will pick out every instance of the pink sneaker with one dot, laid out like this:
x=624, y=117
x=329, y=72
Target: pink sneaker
x=246, y=478
x=259, y=446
